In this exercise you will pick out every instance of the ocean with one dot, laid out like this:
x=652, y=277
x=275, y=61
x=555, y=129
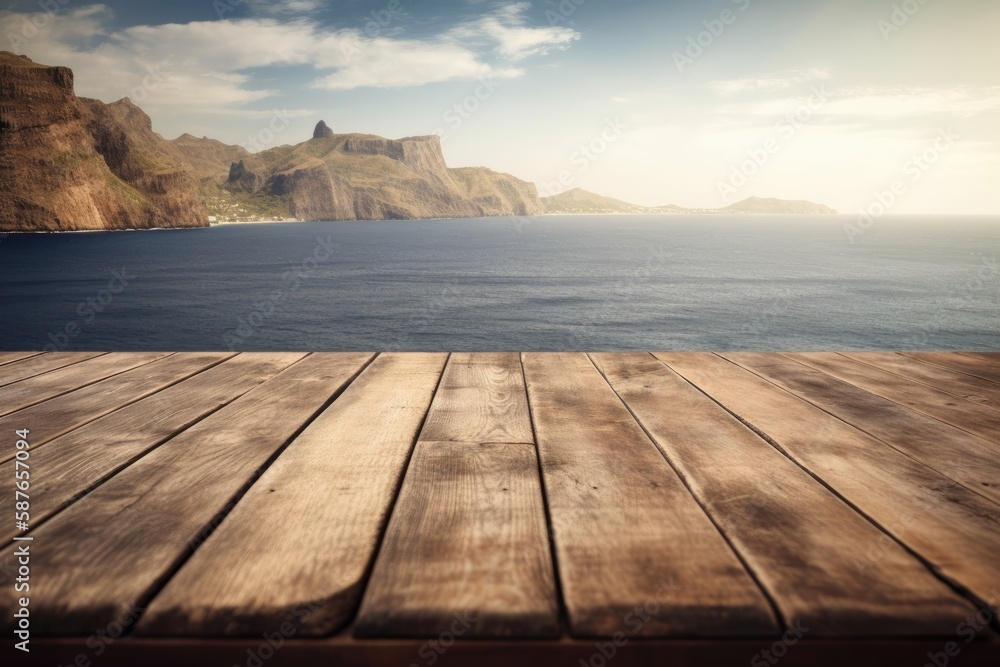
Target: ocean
x=548, y=283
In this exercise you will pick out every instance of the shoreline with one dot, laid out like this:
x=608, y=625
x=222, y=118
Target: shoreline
x=4, y=233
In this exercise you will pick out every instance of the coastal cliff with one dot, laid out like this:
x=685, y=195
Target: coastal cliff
x=68, y=163
x=365, y=177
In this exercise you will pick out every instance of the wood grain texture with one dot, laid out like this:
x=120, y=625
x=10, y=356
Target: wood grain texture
x=10, y=357
x=801, y=541
x=467, y=548
x=314, y=518
x=28, y=392
x=955, y=530
x=953, y=382
x=627, y=532
x=482, y=399
x=79, y=460
x=965, y=415
x=158, y=509
x=959, y=456
x=52, y=418
x=987, y=356
x=42, y=363
x=981, y=368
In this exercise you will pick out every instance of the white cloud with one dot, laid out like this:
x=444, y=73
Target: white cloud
x=284, y=7
x=203, y=65
x=507, y=28
x=769, y=82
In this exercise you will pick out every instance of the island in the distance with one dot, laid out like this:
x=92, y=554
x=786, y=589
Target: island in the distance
x=69, y=163
x=578, y=201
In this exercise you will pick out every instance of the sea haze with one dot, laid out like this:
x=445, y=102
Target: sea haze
x=549, y=283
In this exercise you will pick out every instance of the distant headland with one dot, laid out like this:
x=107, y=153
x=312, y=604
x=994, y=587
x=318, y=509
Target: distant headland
x=69, y=163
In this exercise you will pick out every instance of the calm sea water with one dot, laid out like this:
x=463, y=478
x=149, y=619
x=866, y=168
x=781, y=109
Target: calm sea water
x=554, y=283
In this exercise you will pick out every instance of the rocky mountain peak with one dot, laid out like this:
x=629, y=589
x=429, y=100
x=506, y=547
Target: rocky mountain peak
x=322, y=131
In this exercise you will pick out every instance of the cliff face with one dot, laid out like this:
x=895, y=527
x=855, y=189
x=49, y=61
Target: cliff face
x=208, y=159
x=74, y=164
x=69, y=163
x=364, y=177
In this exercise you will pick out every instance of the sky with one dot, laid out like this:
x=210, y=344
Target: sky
x=855, y=104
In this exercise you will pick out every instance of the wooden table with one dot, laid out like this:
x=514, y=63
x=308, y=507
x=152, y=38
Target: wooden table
x=497, y=509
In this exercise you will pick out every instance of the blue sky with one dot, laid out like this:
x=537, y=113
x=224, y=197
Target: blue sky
x=694, y=103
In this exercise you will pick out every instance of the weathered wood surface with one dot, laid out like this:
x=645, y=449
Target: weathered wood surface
x=952, y=382
x=536, y=500
x=954, y=529
x=31, y=365
x=85, y=457
x=313, y=519
x=468, y=542
x=964, y=458
x=54, y=417
x=159, y=508
x=38, y=388
x=481, y=399
x=797, y=537
x=627, y=532
x=940, y=405
x=981, y=367
x=9, y=357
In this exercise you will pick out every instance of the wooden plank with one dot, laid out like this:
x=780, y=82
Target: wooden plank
x=957, y=455
x=627, y=532
x=81, y=459
x=52, y=418
x=942, y=406
x=155, y=511
x=30, y=391
x=468, y=539
x=993, y=357
x=955, y=530
x=42, y=363
x=314, y=518
x=10, y=357
x=467, y=544
x=955, y=383
x=481, y=399
x=979, y=368
x=802, y=542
